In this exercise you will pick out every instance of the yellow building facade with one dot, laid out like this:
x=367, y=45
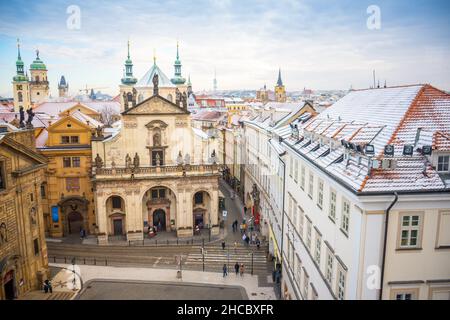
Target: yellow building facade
x=68, y=201
x=23, y=250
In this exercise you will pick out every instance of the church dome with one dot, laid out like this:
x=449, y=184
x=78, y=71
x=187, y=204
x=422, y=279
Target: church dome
x=37, y=63
x=147, y=79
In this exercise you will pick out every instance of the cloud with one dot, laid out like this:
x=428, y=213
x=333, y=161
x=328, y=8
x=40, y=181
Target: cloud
x=317, y=44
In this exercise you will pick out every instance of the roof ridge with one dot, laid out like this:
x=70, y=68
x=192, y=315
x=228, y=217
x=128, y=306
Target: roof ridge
x=405, y=116
x=393, y=87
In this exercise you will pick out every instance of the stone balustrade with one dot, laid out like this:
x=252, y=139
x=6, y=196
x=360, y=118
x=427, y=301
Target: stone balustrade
x=155, y=171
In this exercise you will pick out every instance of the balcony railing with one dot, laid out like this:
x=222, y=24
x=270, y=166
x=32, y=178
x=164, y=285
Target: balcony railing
x=172, y=170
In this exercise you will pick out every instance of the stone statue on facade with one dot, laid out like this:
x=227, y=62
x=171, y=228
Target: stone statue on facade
x=134, y=97
x=125, y=100
x=128, y=161
x=30, y=117
x=155, y=84
x=178, y=97
x=136, y=160
x=184, y=100
x=22, y=118
x=99, y=132
x=179, y=158
x=98, y=161
x=158, y=160
x=187, y=158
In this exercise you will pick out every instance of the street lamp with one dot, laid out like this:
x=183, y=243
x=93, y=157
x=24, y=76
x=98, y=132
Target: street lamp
x=74, y=281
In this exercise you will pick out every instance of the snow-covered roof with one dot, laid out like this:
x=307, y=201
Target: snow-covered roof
x=417, y=115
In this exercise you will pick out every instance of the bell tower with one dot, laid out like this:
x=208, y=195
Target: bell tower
x=280, y=91
x=21, y=85
x=39, y=85
x=127, y=92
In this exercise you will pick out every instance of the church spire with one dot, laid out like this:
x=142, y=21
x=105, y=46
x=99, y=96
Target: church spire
x=128, y=78
x=279, y=82
x=20, y=74
x=177, y=79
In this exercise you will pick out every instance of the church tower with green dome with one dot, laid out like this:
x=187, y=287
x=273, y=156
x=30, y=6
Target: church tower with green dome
x=126, y=87
x=39, y=85
x=178, y=80
x=128, y=78
x=21, y=85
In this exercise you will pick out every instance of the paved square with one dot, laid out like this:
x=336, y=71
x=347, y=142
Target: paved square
x=130, y=290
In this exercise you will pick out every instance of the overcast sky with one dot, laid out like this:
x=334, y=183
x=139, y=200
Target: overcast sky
x=317, y=44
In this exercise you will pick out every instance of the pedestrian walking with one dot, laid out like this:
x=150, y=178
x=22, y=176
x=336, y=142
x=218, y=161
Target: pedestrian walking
x=223, y=245
x=235, y=247
x=225, y=273
x=253, y=238
x=48, y=286
x=247, y=240
x=81, y=234
x=236, y=268
x=241, y=270
x=258, y=243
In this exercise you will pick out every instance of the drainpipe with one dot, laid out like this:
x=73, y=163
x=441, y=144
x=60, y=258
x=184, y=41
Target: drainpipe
x=282, y=218
x=384, y=244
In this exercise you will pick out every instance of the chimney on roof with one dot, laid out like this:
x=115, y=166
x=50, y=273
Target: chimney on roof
x=416, y=140
x=378, y=84
x=385, y=84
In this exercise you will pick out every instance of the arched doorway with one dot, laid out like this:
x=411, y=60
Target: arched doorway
x=75, y=221
x=201, y=209
x=74, y=211
x=115, y=210
x=159, y=219
x=8, y=285
x=159, y=209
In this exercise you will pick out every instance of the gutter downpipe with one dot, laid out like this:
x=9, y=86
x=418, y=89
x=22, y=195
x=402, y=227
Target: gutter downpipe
x=385, y=243
x=282, y=217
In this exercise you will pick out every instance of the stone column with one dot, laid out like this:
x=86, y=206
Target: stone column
x=102, y=220
x=214, y=212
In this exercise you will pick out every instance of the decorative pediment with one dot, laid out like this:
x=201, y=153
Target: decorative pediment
x=155, y=105
x=156, y=124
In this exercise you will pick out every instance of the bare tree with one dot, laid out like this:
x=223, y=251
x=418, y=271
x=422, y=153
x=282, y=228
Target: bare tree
x=108, y=116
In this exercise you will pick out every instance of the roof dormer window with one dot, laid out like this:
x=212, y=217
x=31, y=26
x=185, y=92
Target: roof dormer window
x=443, y=163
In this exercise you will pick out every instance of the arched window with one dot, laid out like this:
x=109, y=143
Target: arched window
x=140, y=98
x=169, y=97
x=129, y=96
x=20, y=96
x=37, y=78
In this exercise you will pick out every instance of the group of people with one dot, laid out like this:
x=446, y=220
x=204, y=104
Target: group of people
x=238, y=268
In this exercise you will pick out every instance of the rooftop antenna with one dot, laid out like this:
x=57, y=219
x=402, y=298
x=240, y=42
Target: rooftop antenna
x=374, y=85
x=215, y=81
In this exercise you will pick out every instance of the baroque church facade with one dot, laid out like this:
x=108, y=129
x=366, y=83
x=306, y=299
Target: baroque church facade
x=149, y=169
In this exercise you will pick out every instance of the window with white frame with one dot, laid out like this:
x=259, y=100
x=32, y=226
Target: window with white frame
x=340, y=290
x=329, y=270
x=443, y=163
x=289, y=205
x=311, y=185
x=302, y=177
x=318, y=248
x=296, y=171
x=410, y=228
x=345, y=215
x=320, y=194
x=308, y=234
x=332, y=212
x=291, y=255
x=305, y=284
x=301, y=221
x=294, y=214
x=298, y=272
